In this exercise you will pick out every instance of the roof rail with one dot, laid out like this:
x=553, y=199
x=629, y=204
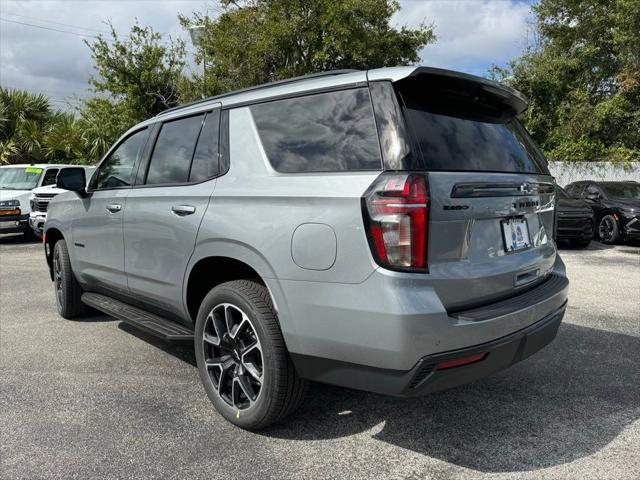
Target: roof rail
x=259, y=87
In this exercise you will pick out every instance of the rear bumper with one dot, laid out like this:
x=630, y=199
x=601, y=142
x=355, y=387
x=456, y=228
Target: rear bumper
x=427, y=375
x=575, y=228
x=392, y=320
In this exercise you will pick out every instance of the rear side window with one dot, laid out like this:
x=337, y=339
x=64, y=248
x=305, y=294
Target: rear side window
x=173, y=151
x=205, y=159
x=327, y=132
x=456, y=140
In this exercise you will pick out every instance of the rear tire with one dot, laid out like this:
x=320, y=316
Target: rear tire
x=67, y=289
x=242, y=359
x=608, y=230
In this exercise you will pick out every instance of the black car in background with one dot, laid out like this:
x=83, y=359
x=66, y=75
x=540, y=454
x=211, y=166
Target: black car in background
x=616, y=206
x=575, y=220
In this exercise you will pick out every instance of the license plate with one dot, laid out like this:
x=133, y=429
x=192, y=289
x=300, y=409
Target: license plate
x=515, y=233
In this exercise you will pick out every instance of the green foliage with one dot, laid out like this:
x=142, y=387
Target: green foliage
x=257, y=41
x=583, y=79
x=138, y=70
x=102, y=122
x=23, y=117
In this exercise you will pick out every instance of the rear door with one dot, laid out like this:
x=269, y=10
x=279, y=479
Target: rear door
x=165, y=208
x=492, y=199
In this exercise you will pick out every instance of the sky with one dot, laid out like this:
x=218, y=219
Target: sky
x=48, y=55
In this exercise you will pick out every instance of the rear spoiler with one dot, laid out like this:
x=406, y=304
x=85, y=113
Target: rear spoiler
x=456, y=84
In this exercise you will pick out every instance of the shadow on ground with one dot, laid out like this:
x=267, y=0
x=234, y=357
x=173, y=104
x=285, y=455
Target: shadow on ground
x=564, y=403
x=18, y=239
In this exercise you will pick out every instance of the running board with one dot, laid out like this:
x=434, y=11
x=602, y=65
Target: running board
x=149, y=322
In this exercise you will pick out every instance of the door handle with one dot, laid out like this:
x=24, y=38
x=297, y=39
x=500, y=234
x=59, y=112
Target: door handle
x=182, y=210
x=114, y=208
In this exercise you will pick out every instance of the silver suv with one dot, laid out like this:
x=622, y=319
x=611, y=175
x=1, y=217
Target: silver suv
x=388, y=230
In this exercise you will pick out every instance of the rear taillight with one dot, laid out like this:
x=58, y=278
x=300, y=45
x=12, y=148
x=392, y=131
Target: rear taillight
x=397, y=217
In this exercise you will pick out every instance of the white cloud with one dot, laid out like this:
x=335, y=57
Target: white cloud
x=59, y=64
x=472, y=35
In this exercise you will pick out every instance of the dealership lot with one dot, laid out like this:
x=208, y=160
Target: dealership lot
x=96, y=398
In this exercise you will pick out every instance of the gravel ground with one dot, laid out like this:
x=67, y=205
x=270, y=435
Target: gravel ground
x=98, y=399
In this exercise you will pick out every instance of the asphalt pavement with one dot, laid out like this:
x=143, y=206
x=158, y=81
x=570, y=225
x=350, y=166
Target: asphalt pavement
x=99, y=399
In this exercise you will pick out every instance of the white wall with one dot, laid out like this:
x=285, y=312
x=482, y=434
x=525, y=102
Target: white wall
x=567, y=172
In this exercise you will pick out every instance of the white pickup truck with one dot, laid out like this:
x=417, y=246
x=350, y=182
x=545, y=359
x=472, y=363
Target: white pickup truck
x=39, y=202
x=17, y=182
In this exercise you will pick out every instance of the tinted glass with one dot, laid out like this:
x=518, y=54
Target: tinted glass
x=50, y=177
x=460, y=142
x=622, y=190
x=591, y=190
x=117, y=169
x=562, y=193
x=320, y=133
x=173, y=151
x=205, y=158
x=575, y=189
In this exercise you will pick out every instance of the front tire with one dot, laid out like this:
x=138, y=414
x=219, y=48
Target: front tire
x=242, y=358
x=608, y=230
x=67, y=289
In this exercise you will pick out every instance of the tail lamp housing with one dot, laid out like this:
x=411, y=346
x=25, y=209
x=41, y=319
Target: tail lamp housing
x=396, y=214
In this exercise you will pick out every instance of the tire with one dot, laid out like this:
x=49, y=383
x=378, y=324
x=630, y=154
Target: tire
x=245, y=369
x=68, y=291
x=608, y=230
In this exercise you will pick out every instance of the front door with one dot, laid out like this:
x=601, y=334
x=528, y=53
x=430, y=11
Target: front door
x=97, y=232
x=164, y=211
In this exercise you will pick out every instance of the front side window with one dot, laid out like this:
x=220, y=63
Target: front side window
x=173, y=151
x=327, y=132
x=592, y=191
x=117, y=170
x=50, y=177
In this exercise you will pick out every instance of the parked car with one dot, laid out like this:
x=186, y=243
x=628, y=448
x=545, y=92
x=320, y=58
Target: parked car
x=39, y=202
x=16, y=184
x=575, y=220
x=616, y=206
x=388, y=230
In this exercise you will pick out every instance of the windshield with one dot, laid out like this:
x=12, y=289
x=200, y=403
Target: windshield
x=19, y=178
x=622, y=190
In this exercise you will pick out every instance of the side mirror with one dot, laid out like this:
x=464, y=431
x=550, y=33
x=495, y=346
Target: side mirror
x=72, y=179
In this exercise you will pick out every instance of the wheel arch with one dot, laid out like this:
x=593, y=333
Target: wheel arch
x=51, y=237
x=211, y=268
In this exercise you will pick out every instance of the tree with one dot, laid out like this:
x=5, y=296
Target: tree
x=102, y=122
x=257, y=41
x=23, y=117
x=583, y=79
x=139, y=70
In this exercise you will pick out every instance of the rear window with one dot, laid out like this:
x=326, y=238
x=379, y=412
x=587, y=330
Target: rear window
x=328, y=132
x=461, y=138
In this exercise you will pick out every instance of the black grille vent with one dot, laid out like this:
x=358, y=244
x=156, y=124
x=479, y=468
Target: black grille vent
x=423, y=372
